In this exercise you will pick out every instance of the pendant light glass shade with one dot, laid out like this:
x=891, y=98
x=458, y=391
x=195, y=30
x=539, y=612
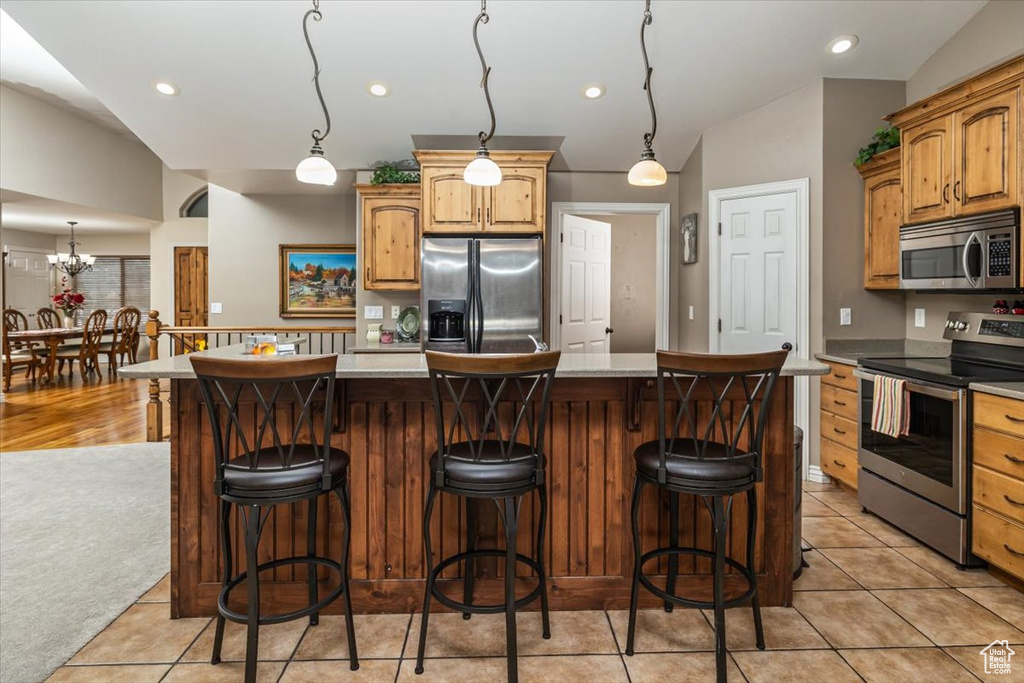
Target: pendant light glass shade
x=647, y=172
x=482, y=171
x=316, y=170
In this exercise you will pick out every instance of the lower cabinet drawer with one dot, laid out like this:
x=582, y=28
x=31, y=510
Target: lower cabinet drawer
x=841, y=402
x=999, y=493
x=1001, y=452
x=839, y=462
x=999, y=413
x=999, y=541
x=839, y=429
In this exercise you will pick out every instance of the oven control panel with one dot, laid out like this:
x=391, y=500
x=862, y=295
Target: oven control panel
x=988, y=328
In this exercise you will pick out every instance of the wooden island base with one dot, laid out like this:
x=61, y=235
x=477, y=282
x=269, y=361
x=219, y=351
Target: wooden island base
x=387, y=426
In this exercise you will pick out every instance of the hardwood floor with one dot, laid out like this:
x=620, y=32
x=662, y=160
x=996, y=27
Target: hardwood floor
x=101, y=410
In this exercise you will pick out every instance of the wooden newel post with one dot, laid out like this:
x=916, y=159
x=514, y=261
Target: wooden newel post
x=155, y=408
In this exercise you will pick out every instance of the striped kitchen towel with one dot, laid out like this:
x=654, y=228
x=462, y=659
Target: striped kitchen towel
x=890, y=414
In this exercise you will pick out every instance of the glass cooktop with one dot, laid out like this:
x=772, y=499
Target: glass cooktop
x=944, y=370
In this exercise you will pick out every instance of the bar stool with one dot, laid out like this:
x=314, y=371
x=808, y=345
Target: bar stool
x=481, y=456
x=260, y=465
x=715, y=458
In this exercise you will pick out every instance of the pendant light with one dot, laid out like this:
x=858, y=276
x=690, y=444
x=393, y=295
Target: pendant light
x=71, y=263
x=648, y=172
x=316, y=169
x=483, y=171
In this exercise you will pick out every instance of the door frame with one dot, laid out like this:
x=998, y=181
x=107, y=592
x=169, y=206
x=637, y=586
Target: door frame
x=662, y=271
x=171, y=246
x=800, y=186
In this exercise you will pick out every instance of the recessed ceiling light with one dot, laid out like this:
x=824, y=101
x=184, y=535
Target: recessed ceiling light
x=378, y=89
x=842, y=44
x=166, y=88
x=594, y=91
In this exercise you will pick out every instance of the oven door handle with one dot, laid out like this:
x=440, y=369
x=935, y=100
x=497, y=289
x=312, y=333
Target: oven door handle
x=966, y=259
x=914, y=386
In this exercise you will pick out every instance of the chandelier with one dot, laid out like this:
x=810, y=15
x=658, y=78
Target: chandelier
x=648, y=171
x=71, y=263
x=482, y=171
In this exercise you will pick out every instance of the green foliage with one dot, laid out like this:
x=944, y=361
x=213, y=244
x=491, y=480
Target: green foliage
x=388, y=174
x=883, y=139
x=318, y=274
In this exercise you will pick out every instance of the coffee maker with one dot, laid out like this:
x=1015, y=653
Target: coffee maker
x=446, y=320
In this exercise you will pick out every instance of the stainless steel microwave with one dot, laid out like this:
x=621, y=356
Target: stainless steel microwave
x=969, y=253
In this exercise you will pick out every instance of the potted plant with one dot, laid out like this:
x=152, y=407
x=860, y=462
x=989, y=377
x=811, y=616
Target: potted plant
x=397, y=172
x=884, y=139
x=68, y=302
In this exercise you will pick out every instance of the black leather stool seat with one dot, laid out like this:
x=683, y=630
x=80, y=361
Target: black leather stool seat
x=306, y=470
x=715, y=468
x=491, y=467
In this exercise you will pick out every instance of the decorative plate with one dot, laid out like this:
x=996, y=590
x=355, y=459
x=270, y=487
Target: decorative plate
x=408, y=323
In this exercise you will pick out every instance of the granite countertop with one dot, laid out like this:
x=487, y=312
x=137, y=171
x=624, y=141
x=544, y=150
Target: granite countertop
x=393, y=347
x=850, y=351
x=1007, y=389
x=414, y=365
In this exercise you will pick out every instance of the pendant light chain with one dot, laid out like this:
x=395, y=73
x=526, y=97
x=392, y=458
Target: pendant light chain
x=483, y=18
x=648, y=70
x=317, y=16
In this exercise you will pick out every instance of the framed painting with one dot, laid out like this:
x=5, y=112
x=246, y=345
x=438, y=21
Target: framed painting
x=318, y=281
x=688, y=232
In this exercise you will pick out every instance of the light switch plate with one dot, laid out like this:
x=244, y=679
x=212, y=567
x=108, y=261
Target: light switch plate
x=845, y=316
x=691, y=312
x=373, y=312
x=918, y=317
x=216, y=307
x=395, y=310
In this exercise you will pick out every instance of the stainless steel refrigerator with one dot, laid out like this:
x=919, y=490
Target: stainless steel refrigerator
x=481, y=295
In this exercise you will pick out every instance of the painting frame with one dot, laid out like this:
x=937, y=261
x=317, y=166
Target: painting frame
x=689, y=229
x=319, y=305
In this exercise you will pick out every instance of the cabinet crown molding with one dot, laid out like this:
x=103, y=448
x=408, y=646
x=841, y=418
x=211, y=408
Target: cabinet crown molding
x=954, y=96
x=880, y=163
x=428, y=156
x=389, y=190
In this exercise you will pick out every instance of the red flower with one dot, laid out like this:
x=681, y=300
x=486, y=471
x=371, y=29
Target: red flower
x=77, y=298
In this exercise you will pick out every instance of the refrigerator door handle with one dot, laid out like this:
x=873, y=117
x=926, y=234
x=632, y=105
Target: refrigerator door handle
x=471, y=297
x=479, y=301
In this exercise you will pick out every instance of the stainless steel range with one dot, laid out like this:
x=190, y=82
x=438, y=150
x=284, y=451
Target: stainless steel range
x=921, y=482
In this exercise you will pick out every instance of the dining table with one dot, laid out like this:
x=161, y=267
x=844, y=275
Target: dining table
x=52, y=337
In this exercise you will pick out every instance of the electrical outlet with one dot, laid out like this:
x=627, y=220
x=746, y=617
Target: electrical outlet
x=918, y=317
x=845, y=316
x=691, y=312
x=373, y=312
x=216, y=307
x=395, y=310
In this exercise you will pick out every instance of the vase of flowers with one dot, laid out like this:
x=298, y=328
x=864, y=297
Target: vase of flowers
x=68, y=302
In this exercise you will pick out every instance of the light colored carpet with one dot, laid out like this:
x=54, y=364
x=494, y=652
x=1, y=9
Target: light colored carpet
x=83, y=533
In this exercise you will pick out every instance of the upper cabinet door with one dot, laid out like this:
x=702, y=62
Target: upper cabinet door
x=882, y=216
x=985, y=155
x=391, y=242
x=450, y=204
x=927, y=167
x=517, y=204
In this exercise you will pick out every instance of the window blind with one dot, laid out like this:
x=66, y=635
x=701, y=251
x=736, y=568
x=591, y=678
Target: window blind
x=114, y=282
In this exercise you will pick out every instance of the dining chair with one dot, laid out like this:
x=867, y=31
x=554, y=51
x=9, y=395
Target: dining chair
x=47, y=319
x=15, y=321
x=87, y=354
x=126, y=330
x=12, y=358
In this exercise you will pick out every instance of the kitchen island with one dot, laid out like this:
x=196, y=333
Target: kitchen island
x=602, y=407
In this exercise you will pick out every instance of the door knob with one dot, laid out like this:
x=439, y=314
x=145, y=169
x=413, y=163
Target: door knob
x=608, y=330
x=787, y=347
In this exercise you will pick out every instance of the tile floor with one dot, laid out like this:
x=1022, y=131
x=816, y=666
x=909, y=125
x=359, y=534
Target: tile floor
x=873, y=606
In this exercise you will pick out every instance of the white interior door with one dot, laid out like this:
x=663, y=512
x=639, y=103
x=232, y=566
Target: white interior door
x=758, y=273
x=586, y=285
x=28, y=282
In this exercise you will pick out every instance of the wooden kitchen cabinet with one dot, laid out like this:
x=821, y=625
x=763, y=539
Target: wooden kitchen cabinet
x=839, y=425
x=883, y=214
x=997, y=447
x=961, y=148
x=390, y=236
x=517, y=205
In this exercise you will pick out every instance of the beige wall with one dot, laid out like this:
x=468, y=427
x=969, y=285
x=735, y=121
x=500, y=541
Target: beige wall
x=937, y=306
x=107, y=244
x=13, y=238
x=633, y=289
x=174, y=231
x=993, y=35
x=693, y=277
x=852, y=111
x=244, y=234
x=49, y=152
x=564, y=186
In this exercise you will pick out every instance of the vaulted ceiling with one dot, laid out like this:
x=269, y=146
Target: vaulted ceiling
x=247, y=100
